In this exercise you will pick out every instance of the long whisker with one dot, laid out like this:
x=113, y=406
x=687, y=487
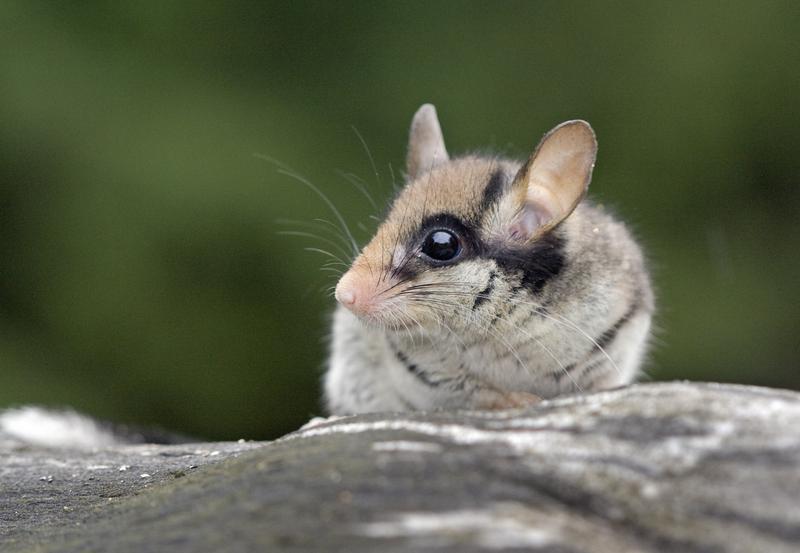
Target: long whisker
x=539, y=342
x=395, y=188
x=335, y=257
x=360, y=186
x=316, y=237
x=411, y=251
x=327, y=201
x=319, y=225
x=393, y=286
x=272, y=160
x=397, y=269
x=328, y=290
x=559, y=320
x=571, y=324
x=284, y=169
x=369, y=155
x=502, y=340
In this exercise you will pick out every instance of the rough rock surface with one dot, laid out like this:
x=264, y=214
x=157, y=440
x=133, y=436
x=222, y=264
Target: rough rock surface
x=656, y=467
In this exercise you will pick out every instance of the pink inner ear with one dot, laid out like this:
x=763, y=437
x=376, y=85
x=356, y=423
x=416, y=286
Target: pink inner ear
x=532, y=217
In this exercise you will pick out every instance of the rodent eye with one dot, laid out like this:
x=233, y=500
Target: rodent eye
x=441, y=245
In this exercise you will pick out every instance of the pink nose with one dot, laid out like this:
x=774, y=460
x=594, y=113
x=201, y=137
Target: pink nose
x=346, y=297
x=352, y=293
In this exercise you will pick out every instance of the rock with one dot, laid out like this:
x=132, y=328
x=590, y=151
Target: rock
x=681, y=467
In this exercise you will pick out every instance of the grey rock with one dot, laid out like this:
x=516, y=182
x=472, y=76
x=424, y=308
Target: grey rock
x=681, y=467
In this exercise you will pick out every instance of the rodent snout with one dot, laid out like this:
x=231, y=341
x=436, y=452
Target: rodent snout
x=352, y=291
x=346, y=297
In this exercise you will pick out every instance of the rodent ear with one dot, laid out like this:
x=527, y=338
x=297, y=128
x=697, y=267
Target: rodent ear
x=425, y=142
x=555, y=178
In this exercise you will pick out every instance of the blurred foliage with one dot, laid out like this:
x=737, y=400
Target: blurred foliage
x=142, y=276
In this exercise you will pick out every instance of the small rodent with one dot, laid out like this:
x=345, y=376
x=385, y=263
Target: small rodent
x=490, y=284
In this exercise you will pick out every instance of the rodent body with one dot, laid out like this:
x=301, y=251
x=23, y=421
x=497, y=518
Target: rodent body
x=490, y=284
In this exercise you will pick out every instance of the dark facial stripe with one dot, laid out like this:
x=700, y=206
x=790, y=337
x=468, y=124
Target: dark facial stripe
x=570, y=370
x=466, y=233
x=494, y=189
x=609, y=335
x=484, y=294
x=538, y=264
x=586, y=366
x=414, y=369
x=558, y=375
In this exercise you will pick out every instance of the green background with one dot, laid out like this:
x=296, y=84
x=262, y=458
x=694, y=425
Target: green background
x=142, y=276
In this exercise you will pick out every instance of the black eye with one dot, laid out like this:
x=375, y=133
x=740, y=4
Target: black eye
x=441, y=245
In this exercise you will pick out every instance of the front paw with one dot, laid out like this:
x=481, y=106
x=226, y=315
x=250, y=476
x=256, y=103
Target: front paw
x=496, y=400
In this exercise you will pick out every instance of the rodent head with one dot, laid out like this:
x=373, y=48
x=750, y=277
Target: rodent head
x=458, y=222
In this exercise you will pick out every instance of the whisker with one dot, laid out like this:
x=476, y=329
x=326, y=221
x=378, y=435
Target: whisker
x=557, y=319
x=501, y=339
x=428, y=291
x=327, y=201
x=320, y=225
x=396, y=270
x=329, y=254
x=369, y=155
x=411, y=251
x=394, y=180
x=328, y=290
x=360, y=186
x=285, y=169
x=395, y=285
x=585, y=334
x=272, y=160
x=316, y=237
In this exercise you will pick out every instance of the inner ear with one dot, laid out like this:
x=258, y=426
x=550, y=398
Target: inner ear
x=425, y=142
x=554, y=180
